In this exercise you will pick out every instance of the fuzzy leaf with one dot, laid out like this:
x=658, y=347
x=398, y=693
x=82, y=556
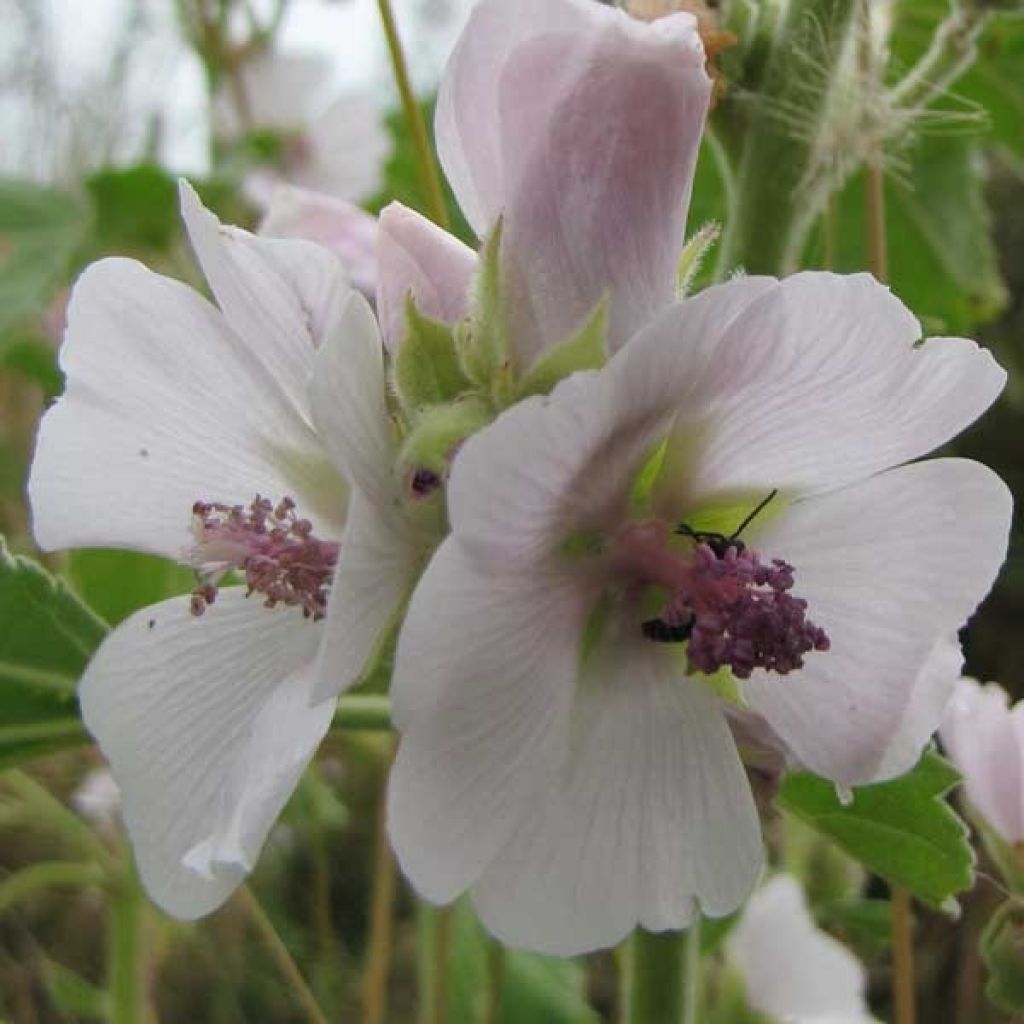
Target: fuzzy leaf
x=440, y=430
x=586, y=350
x=902, y=829
x=427, y=370
x=482, y=344
x=46, y=639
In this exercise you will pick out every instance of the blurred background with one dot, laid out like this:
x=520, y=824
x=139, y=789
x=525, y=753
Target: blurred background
x=103, y=104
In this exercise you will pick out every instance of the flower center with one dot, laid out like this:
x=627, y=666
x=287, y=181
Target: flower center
x=734, y=610
x=271, y=545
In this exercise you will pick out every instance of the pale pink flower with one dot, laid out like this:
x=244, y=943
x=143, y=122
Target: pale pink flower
x=794, y=972
x=336, y=144
x=984, y=737
x=562, y=761
x=249, y=436
x=98, y=798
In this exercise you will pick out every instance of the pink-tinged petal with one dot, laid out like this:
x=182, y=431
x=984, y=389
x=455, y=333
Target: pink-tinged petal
x=484, y=677
x=417, y=258
x=929, y=696
x=207, y=726
x=649, y=819
x=375, y=574
x=889, y=568
x=348, y=396
x=344, y=228
x=349, y=144
x=581, y=126
x=791, y=969
x=547, y=468
x=165, y=405
x=815, y=384
x=282, y=296
x=985, y=740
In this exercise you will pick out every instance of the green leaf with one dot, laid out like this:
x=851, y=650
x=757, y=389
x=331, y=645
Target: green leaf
x=481, y=341
x=73, y=994
x=692, y=258
x=942, y=261
x=534, y=988
x=586, y=350
x=40, y=231
x=35, y=360
x=136, y=208
x=440, y=430
x=116, y=583
x=427, y=370
x=866, y=923
x=1002, y=950
x=47, y=641
x=901, y=830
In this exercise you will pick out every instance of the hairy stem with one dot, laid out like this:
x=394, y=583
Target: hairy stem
x=414, y=115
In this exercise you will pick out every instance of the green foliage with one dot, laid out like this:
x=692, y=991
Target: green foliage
x=48, y=637
x=1002, y=950
x=116, y=583
x=533, y=988
x=942, y=262
x=902, y=829
x=586, y=350
x=40, y=232
x=863, y=923
x=35, y=360
x=439, y=431
x=427, y=370
x=136, y=208
x=73, y=995
x=481, y=341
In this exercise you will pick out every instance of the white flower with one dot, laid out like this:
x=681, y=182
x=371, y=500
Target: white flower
x=98, y=798
x=984, y=737
x=559, y=759
x=176, y=417
x=336, y=145
x=794, y=972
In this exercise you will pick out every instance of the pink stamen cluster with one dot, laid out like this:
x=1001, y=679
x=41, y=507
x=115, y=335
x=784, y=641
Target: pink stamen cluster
x=271, y=545
x=742, y=615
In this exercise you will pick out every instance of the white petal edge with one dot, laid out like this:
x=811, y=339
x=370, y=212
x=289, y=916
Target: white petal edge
x=207, y=726
x=650, y=819
x=889, y=567
x=164, y=405
x=484, y=676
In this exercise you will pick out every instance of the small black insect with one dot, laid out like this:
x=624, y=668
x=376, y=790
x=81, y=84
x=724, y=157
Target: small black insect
x=662, y=632
x=719, y=542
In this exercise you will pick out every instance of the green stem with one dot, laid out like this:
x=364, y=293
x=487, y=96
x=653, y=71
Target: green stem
x=24, y=883
x=126, y=963
x=771, y=211
x=656, y=978
x=279, y=951
x=903, y=988
x=495, y=981
x=414, y=116
x=434, y=937
x=363, y=712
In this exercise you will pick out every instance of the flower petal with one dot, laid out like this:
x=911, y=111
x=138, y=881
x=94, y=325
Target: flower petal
x=792, y=970
x=344, y=228
x=165, y=405
x=376, y=571
x=581, y=125
x=207, y=727
x=280, y=89
x=889, y=568
x=650, y=818
x=350, y=145
x=483, y=681
x=815, y=384
x=418, y=258
x=350, y=408
x=985, y=740
x=282, y=296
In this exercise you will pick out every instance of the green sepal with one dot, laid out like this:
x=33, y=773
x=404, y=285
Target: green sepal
x=481, y=339
x=901, y=829
x=439, y=431
x=586, y=350
x=727, y=686
x=427, y=369
x=692, y=257
x=1002, y=950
